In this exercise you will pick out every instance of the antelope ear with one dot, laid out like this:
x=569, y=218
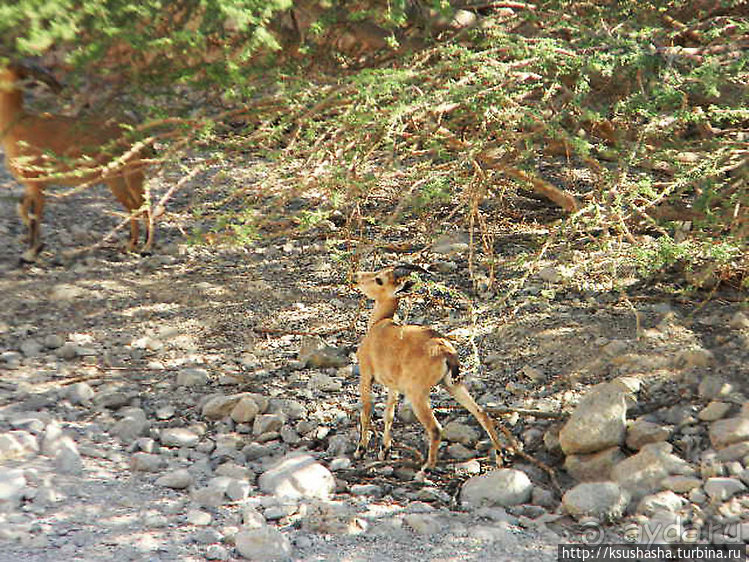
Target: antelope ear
x=405, y=287
x=31, y=70
x=406, y=269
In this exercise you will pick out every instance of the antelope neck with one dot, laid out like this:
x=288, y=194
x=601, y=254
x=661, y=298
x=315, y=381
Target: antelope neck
x=11, y=106
x=384, y=309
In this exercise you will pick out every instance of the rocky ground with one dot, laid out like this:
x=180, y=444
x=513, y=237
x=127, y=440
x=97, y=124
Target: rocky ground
x=179, y=406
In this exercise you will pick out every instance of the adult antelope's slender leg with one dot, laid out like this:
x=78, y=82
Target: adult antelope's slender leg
x=387, y=434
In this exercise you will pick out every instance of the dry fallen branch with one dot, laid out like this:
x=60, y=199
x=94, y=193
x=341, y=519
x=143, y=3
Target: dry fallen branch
x=492, y=159
x=565, y=200
x=498, y=4
x=498, y=411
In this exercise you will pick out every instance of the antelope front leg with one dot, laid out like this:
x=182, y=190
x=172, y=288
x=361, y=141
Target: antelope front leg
x=365, y=391
x=30, y=209
x=387, y=434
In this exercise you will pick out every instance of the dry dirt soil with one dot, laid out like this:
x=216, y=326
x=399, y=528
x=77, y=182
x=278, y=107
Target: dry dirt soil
x=244, y=314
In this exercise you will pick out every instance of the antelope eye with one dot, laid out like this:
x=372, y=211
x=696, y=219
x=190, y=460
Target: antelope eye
x=378, y=280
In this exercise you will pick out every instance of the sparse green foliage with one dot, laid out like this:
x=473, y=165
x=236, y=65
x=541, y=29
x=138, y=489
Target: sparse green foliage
x=158, y=40
x=636, y=111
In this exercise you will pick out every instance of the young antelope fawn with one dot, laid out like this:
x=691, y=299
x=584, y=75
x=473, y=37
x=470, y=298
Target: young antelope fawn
x=77, y=151
x=407, y=360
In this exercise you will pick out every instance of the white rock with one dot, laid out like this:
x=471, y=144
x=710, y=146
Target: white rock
x=145, y=462
x=133, y=425
x=17, y=444
x=216, y=552
x=198, y=517
x=11, y=358
x=298, y=476
x=721, y=489
x=245, y=410
x=292, y=409
x=263, y=544
x=178, y=437
x=12, y=486
x=662, y=501
x=234, y=470
x=432, y=494
x=712, y=387
x=237, y=490
x=209, y=496
x=423, y=524
x=460, y=452
x=289, y=436
x=155, y=520
x=681, y=484
x=739, y=321
x=324, y=383
x=68, y=351
x=595, y=467
x=662, y=527
x=53, y=341
x=251, y=517
x=51, y=438
x=367, y=490
x=30, y=348
x=472, y=467
x=67, y=458
x=165, y=412
x=250, y=362
x=340, y=463
x=459, y=432
x=605, y=501
x=330, y=518
x=35, y=422
x=113, y=398
x=550, y=275
x=80, y=393
x=643, y=473
x=219, y=407
x=265, y=423
x=598, y=422
x=502, y=487
x=641, y=432
x=192, y=376
x=543, y=498
x=177, y=479
x=734, y=452
x=729, y=431
x=715, y=410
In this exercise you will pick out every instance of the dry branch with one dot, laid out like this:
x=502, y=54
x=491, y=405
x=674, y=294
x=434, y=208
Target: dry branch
x=565, y=200
x=491, y=159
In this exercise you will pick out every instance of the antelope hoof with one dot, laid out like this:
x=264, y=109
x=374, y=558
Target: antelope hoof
x=30, y=256
x=423, y=474
x=384, y=453
x=498, y=459
x=358, y=453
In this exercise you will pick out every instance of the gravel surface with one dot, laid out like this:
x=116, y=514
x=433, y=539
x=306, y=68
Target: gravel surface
x=108, y=363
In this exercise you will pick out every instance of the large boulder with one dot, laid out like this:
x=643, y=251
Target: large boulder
x=298, y=476
x=499, y=488
x=645, y=472
x=606, y=501
x=598, y=422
